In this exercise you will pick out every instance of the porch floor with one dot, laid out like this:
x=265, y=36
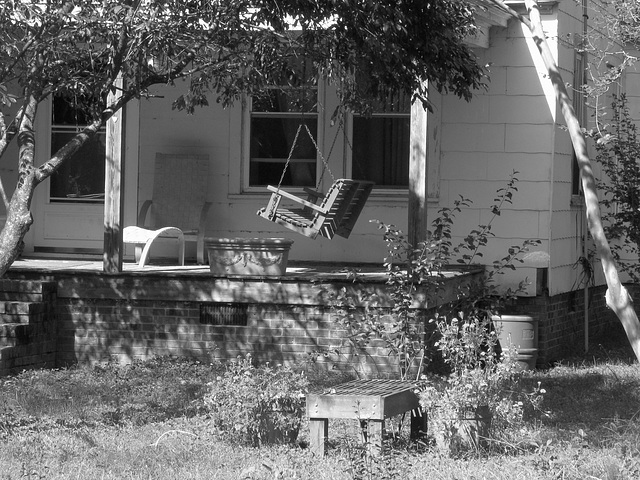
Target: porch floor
x=296, y=270
x=303, y=284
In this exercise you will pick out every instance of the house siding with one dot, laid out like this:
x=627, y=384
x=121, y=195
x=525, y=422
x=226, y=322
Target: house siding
x=508, y=128
x=567, y=221
x=217, y=132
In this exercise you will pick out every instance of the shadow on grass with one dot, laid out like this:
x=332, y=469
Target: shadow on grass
x=595, y=396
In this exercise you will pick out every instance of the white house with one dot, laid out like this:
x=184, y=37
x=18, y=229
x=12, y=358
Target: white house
x=466, y=148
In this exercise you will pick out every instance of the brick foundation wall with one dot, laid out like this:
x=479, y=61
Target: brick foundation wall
x=561, y=322
x=106, y=330
x=99, y=330
x=126, y=319
x=28, y=333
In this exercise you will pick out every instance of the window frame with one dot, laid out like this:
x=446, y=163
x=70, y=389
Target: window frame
x=248, y=115
x=55, y=128
x=239, y=154
x=378, y=190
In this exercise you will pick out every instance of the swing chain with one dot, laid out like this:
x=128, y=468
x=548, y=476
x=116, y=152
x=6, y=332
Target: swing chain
x=293, y=146
x=324, y=161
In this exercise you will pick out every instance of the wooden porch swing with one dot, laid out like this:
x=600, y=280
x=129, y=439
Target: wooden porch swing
x=334, y=213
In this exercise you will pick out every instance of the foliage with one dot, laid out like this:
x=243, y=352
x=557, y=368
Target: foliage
x=483, y=384
x=618, y=150
x=230, y=48
x=592, y=431
x=364, y=466
x=402, y=331
x=622, y=20
x=248, y=403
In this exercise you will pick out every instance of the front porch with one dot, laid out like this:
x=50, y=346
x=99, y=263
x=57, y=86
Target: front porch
x=186, y=311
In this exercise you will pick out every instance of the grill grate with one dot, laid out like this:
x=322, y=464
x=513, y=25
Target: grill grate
x=223, y=314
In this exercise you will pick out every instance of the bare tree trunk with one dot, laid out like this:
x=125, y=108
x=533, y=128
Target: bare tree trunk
x=18, y=214
x=617, y=297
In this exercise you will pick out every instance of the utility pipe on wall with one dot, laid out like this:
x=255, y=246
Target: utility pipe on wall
x=585, y=230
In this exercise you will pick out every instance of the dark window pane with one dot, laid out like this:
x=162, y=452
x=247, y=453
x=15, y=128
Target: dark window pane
x=271, y=141
x=381, y=150
x=65, y=112
x=397, y=102
x=82, y=176
x=276, y=116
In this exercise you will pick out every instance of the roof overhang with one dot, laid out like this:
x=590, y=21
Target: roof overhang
x=488, y=15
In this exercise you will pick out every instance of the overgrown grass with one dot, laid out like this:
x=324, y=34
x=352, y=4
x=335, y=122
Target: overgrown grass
x=148, y=421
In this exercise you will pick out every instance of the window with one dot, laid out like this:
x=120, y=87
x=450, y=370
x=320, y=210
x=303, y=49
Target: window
x=377, y=145
x=278, y=121
x=579, y=81
x=81, y=178
x=381, y=143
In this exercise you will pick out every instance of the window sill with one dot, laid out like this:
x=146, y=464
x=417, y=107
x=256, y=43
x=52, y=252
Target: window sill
x=577, y=201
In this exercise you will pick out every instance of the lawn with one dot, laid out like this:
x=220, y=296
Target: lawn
x=148, y=421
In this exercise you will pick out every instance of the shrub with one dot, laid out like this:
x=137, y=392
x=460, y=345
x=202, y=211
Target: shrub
x=478, y=380
x=255, y=405
x=479, y=397
x=410, y=267
x=618, y=149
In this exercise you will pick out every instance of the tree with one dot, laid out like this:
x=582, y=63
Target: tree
x=223, y=49
x=617, y=296
x=615, y=131
x=618, y=150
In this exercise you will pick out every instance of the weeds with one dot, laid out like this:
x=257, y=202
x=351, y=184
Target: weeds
x=256, y=405
x=401, y=329
x=110, y=394
x=593, y=430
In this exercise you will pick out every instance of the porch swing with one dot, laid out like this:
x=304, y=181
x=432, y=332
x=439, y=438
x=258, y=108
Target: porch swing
x=334, y=213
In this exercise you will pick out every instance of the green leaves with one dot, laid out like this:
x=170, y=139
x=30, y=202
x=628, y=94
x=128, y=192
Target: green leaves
x=618, y=150
x=5, y=97
x=239, y=47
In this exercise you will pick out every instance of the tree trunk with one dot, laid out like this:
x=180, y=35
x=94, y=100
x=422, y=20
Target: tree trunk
x=17, y=225
x=18, y=214
x=617, y=297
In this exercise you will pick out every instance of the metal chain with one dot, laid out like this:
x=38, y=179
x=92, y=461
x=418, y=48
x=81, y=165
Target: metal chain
x=293, y=146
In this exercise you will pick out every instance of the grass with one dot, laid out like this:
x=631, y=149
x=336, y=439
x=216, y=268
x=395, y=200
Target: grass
x=146, y=421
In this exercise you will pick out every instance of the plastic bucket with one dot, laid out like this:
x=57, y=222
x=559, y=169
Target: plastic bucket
x=520, y=331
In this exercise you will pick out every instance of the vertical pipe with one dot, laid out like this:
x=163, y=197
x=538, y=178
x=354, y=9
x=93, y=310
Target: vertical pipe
x=585, y=230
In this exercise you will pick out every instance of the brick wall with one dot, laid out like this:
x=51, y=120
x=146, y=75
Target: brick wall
x=101, y=330
x=124, y=331
x=124, y=319
x=27, y=326
x=561, y=322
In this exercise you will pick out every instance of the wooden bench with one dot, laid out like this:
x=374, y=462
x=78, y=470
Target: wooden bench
x=370, y=401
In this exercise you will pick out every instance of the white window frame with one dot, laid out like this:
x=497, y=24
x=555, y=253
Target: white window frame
x=67, y=129
x=378, y=191
x=341, y=161
x=246, y=140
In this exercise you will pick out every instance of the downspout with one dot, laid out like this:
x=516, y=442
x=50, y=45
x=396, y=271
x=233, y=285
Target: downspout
x=585, y=230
